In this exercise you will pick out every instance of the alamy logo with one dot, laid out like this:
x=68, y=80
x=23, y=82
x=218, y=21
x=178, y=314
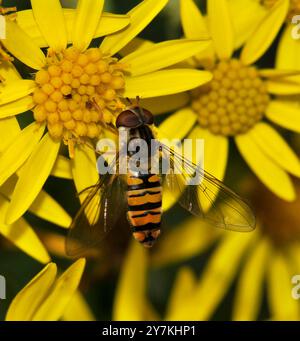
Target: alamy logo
x=137, y=156
x=296, y=29
x=2, y=288
x=296, y=288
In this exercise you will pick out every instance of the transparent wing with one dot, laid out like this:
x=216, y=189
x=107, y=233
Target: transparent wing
x=205, y=196
x=103, y=204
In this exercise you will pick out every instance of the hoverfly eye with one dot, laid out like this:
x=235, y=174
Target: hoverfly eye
x=128, y=119
x=148, y=116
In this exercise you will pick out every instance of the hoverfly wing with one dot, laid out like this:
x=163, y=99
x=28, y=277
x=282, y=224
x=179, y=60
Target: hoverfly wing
x=97, y=215
x=204, y=196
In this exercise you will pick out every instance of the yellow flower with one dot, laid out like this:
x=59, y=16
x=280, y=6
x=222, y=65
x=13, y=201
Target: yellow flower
x=46, y=298
x=131, y=302
x=20, y=233
x=235, y=103
x=79, y=90
x=267, y=259
x=287, y=57
x=246, y=22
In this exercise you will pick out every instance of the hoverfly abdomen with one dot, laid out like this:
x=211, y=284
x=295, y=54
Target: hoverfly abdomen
x=144, y=198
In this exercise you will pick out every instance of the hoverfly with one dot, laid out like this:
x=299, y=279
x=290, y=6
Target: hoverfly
x=141, y=194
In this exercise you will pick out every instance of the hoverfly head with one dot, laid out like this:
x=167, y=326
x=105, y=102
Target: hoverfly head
x=134, y=117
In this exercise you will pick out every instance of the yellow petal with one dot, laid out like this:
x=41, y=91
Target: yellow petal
x=220, y=26
x=33, y=176
x=22, y=235
x=140, y=17
x=219, y=273
x=203, y=236
x=8, y=187
x=165, y=82
x=182, y=290
x=282, y=305
x=78, y=309
x=88, y=13
x=193, y=24
x=50, y=20
x=250, y=284
x=277, y=73
x=185, y=119
x=131, y=288
x=16, y=90
x=245, y=16
x=273, y=176
x=283, y=86
x=134, y=45
x=62, y=168
x=215, y=158
x=265, y=33
x=45, y=207
x=285, y=113
x=9, y=73
x=9, y=130
x=109, y=23
x=178, y=125
x=16, y=107
x=164, y=104
x=22, y=47
x=162, y=55
x=19, y=150
x=32, y=295
x=27, y=23
x=275, y=147
x=215, y=151
x=293, y=254
x=287, y=56
x=84, y=168
x=53, y=307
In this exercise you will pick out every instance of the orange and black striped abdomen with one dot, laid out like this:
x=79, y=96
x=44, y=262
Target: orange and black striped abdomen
x=144, y=197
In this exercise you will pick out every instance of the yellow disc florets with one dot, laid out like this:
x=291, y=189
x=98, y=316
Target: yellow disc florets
x=233, y=102
x=294, y=8
x=78, y=92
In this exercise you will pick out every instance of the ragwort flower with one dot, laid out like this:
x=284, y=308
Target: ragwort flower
x=267, y=259
x=237, y=100
x=20, y=233
x=46, y=298
x=78, y=90
x=250, y=16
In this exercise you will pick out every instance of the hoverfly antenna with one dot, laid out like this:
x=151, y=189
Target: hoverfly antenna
x=138, y=100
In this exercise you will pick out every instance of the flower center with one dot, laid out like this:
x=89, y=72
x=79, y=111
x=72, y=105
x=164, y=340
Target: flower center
x=294, y=8
x=233, y=102
x=77, y=93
